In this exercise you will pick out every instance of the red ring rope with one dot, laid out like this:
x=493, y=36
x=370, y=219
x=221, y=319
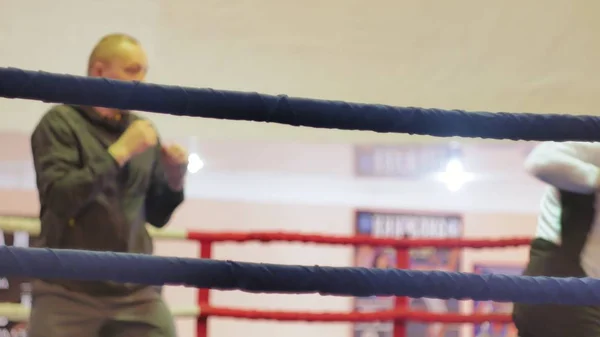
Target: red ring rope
x=388, y=315
x=355, y=240
x=399, y=316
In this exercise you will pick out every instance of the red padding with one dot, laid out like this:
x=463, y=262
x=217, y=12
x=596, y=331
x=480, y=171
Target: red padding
x=356, y=240
x=413, y=316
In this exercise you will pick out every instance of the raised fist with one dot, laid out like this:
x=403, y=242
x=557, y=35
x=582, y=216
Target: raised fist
x=174, y=155
x=138, y=137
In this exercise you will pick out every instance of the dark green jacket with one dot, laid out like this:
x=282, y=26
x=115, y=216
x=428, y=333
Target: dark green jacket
x=87, y=201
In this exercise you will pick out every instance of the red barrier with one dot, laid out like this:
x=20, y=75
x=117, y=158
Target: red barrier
x=399, y=316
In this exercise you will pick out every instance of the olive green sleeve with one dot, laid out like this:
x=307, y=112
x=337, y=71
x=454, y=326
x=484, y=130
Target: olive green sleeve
x=64, y=182
x=161, y=200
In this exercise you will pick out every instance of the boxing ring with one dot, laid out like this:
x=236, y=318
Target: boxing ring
x=205, y=273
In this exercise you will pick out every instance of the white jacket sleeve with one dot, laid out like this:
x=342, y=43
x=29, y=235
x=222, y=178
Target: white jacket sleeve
x=569, y=166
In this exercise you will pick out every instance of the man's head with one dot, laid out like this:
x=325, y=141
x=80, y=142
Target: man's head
x=120, y=57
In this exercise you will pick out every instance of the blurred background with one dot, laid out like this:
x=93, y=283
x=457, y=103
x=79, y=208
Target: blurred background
x=535, y=56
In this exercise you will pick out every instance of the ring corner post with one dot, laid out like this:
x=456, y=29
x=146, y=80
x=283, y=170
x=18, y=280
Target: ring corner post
x=401, y=303
x=203, y=294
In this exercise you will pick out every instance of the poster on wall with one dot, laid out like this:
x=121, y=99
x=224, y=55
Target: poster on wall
x=403, y=161
x=491, y=329
x=14, y=289
x=408, y=225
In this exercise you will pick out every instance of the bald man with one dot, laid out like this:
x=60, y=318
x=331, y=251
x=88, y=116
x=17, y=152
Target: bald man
x=102, y=174
x=567, y=239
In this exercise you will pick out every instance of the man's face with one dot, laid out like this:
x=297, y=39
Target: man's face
x=129, y=64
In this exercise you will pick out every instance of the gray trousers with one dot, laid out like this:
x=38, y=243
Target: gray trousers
x=57, y=312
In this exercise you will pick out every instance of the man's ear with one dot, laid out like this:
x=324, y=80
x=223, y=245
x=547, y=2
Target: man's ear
x=96, y=69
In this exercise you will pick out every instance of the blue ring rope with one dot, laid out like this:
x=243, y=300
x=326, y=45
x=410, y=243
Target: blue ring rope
x=210, y=103
x=271, y=278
